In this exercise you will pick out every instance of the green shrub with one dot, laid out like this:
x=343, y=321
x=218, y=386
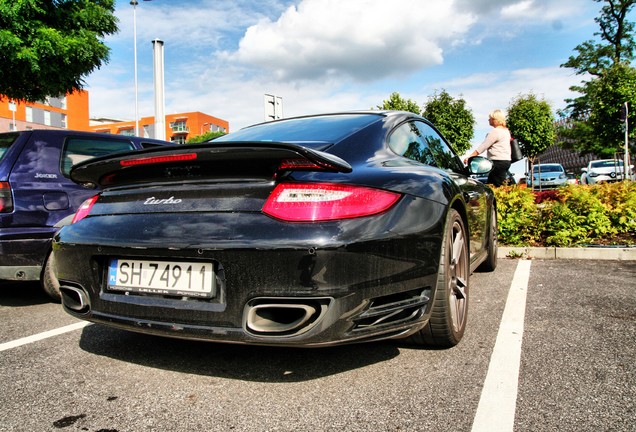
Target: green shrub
x=517, y=216
x=573, y=215
x=620, y=201
x=578, y=217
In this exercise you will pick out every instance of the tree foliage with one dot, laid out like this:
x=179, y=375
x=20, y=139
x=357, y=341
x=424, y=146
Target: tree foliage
x=396, y=102
x=204, y=137
x=601, y=131
x=591, y=121
x=617, y=36
x=453, y=119
x=531, y=121
x=48, y=47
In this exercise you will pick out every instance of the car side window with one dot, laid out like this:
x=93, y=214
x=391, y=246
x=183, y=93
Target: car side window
x=444, y=156
x=420, y=142
x=78, y=150
x=407, y=141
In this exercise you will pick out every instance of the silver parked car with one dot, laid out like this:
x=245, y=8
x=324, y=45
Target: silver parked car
x=603, y=170
x=548, y=176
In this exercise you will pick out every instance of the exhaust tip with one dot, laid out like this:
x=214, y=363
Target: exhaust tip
x=272, y=317
x=74, y=299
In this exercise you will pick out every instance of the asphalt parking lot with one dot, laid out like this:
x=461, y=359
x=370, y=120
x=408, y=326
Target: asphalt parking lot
x=549, y=347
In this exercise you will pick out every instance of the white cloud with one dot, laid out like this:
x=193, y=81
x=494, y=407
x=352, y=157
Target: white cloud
x=361, y=39
x=320, y=55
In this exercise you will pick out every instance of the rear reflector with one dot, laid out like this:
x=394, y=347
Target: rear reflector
x=311, y=202
x=6, y=200
x=84, y=209
x=158, y=159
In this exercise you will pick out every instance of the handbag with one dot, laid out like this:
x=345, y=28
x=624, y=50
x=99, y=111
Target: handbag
x=515, y=151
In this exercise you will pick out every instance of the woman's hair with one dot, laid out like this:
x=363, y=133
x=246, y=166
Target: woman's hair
x=499, y=117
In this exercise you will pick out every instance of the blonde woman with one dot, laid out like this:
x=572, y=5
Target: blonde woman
x=497, y=145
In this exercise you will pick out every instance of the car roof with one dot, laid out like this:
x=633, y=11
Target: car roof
x=318, y=131
x=73, y=132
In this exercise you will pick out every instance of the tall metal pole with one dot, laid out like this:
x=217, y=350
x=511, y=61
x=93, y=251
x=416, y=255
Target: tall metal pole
x=134, y=4
x=626, y=167
x=160, y=109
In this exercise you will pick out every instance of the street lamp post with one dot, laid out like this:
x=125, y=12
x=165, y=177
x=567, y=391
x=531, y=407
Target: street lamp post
x=134, y=4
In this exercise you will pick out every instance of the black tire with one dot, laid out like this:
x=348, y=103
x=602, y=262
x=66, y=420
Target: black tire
x=492, y=247
x=450, y=304
x=49, y=281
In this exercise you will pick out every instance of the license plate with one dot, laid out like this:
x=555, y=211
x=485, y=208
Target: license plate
x=190, y=279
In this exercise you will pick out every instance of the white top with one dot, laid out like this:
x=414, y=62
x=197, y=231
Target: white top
x=497, y=143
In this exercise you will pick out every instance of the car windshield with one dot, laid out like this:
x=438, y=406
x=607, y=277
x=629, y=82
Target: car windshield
x=607, y=164
x=547, y=168
x=5, y=142
x=312, y=131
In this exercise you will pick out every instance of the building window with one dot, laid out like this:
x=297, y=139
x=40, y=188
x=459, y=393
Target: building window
x=47, y=118
x=29, y=114
x=63, y=121
x=63, y=102
x=179, y=126
x=127, y=132
x=178, y=139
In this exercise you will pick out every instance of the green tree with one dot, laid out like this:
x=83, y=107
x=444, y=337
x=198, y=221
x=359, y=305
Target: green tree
x=204, y=137
x=531, y=121
x=588, y=118
x=617, y=36
x=602, y=131
x=396, y=102
x=48, y=47
x=453, y=119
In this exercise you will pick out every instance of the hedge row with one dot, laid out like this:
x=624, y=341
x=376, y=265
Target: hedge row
x=575, y=215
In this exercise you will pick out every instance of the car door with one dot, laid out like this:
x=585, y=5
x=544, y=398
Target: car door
x=474, y=192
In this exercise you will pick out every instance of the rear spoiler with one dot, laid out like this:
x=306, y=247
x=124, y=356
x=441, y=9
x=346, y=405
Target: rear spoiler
x=225, y=160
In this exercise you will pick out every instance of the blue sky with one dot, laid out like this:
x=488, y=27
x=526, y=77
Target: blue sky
x=222, y=56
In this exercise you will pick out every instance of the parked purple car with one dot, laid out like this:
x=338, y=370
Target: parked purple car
x=37, y=197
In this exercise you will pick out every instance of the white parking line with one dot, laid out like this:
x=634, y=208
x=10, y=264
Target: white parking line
x=496, y=409
x=47, y=334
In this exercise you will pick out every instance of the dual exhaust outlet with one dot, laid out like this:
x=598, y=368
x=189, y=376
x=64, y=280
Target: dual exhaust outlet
x=283, y=317
x=75, y=299
x=262, y=316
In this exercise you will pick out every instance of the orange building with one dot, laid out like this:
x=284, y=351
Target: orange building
x=179, y=127
x=66, y=112
x=71, y=112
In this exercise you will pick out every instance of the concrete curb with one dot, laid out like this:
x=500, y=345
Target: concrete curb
x=592, y=253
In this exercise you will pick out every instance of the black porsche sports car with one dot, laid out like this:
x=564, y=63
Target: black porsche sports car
x=308, y=231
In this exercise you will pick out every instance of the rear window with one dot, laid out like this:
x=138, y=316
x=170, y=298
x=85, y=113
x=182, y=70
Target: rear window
x=78, y=150
x=5, y=142
x=314, y=132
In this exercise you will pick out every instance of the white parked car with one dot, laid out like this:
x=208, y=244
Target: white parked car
x=603, y=170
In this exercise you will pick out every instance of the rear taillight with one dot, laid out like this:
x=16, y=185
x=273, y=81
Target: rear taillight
x=84, y=209
x=6, y=200
x=311, y=202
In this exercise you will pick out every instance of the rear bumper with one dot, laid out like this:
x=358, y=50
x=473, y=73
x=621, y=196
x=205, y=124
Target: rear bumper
x=352, y=296
x=23, y=252
x=286, y=284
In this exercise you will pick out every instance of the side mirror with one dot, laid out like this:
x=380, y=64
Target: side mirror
x=479, y=165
